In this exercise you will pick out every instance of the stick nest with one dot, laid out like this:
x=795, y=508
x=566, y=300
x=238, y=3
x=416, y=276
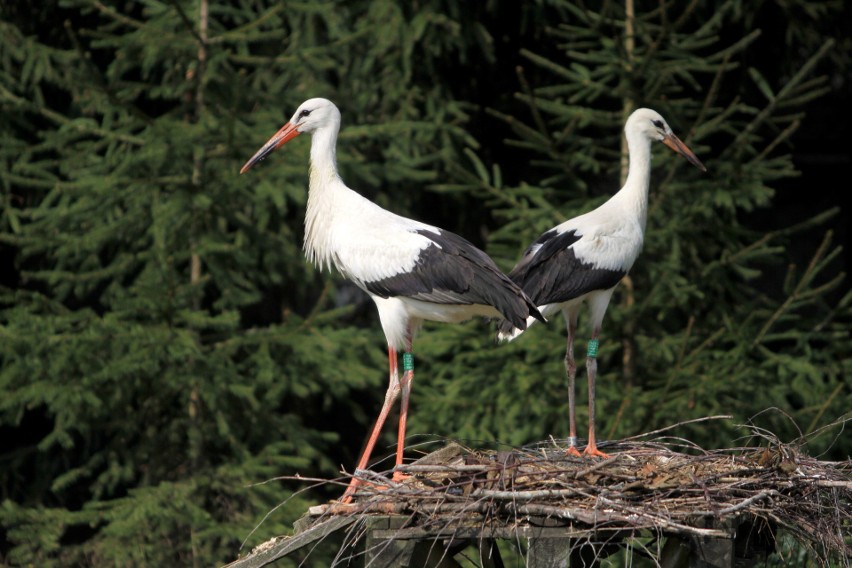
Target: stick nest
x=665, y=486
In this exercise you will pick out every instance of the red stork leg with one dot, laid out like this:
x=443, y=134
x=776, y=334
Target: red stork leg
x=390, y=397
x=571, y=370
x=591, y=370
x=405, y=387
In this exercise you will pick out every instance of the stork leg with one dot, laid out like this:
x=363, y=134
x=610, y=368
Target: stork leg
x=405, y=388
x=571, y=371
x=391, y=395
x=592, y=370
x=405, y=384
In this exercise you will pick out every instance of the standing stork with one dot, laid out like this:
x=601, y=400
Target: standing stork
x=584, y=258
x=412, y=271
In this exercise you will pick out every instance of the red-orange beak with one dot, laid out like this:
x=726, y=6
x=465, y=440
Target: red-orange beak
x=675, y=144
x=284, y=135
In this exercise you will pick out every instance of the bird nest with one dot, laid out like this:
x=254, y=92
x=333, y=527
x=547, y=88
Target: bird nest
x=655, y=487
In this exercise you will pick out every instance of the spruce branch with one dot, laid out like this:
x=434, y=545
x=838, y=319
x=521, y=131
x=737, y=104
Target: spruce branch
x=84, y=127
x=799, y=292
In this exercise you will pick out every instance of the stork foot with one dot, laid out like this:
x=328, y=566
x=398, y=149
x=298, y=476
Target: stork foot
x=399, y=477
x=350, y=492
x=356, y=483
x=593, y=451
x=573, y=452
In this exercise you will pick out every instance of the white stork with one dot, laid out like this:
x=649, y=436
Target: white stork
x=584, y=258
x=412, y=271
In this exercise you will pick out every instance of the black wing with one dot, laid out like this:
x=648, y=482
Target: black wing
x=453, y=271
x=550, y=272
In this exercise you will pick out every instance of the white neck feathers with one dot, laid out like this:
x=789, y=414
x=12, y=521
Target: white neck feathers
x=634, y=194
x=324, y=187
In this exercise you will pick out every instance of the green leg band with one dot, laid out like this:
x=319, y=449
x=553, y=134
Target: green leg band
x=407, y=362
x=592, y=351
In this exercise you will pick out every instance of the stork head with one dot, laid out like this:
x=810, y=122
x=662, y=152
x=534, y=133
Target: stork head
x=315, y=113
x=647, y=122
x=311, y=115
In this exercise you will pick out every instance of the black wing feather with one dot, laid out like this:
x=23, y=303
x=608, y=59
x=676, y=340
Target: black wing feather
x=554, y=274
x=453, y=271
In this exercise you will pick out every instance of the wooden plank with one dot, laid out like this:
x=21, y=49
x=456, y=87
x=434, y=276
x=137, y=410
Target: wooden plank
x=675, y=553
x=512, y=533
x=275, y=548
x=549, y=553
x=435, y=554
x=489, y=553
x=702, y=551
x=386, y=551
x=390, y=545
x=549, y=549
x=711, y=553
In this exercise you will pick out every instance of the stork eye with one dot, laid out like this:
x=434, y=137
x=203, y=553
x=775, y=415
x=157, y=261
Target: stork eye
x=304, y=113
x=657, y=123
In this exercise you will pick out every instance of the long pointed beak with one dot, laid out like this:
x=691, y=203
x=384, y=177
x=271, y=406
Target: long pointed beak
x=284, y=135
x=675, y=144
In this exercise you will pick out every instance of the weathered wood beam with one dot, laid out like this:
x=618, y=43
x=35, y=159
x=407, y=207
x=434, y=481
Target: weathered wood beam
x=280, y=546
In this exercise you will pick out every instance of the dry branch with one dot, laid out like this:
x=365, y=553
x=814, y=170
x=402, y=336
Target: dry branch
x=647, y=489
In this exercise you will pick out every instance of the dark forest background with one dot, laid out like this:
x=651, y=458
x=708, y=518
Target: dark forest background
x=165, y=348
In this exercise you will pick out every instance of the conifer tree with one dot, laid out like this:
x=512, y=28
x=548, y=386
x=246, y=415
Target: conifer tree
x=165, y=347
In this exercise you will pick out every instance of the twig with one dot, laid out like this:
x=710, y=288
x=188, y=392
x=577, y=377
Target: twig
x=746, y=502
x=678, y=425
x=413, y=468
x=595, y=467
x=655, y=485
x=524, y=495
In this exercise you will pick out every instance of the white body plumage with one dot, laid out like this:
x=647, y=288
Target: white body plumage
x=600, y=246
x=412, y=271
x=583, y=259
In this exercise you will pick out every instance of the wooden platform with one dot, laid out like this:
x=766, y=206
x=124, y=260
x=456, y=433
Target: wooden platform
x=681, y=508
x=389, y=543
